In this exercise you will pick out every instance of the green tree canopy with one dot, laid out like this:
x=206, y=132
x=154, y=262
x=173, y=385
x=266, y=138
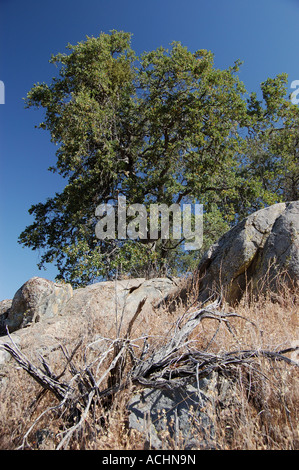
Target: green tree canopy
x=164, y=127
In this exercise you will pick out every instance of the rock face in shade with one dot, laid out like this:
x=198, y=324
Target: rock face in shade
x=4, y=310
x=173, y=415
x=252, y=254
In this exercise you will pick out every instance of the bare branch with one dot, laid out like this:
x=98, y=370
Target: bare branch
x=174, y=364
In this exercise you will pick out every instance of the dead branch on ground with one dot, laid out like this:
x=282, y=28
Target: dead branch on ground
x=170, y=366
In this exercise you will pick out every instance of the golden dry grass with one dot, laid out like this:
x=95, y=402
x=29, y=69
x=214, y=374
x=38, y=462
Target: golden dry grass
x=259, y=410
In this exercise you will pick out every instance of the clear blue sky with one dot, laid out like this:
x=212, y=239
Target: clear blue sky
x=262, y=33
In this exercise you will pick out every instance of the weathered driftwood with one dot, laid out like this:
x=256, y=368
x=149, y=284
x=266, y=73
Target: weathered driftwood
x=169, y=366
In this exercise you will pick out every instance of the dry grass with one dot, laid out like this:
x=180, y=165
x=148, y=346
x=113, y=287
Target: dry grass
x=259, y=409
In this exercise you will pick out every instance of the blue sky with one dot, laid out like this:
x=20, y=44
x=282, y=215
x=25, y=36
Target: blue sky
x=262, y=33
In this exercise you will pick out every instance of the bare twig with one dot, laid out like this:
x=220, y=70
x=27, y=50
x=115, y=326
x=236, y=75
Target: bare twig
x=78, y=425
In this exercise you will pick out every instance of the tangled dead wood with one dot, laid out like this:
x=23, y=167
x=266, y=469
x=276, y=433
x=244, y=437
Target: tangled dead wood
x=175, y=363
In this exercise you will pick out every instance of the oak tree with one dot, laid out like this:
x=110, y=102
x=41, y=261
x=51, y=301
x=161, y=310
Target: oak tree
x=163, y=127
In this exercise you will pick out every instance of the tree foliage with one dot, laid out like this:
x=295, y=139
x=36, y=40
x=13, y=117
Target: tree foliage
x=164, y=127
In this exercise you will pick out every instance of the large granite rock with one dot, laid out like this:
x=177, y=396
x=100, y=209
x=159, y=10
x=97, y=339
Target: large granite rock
x=38, y=298
x=115, y=303
x=44, y=315
x=252, y=255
